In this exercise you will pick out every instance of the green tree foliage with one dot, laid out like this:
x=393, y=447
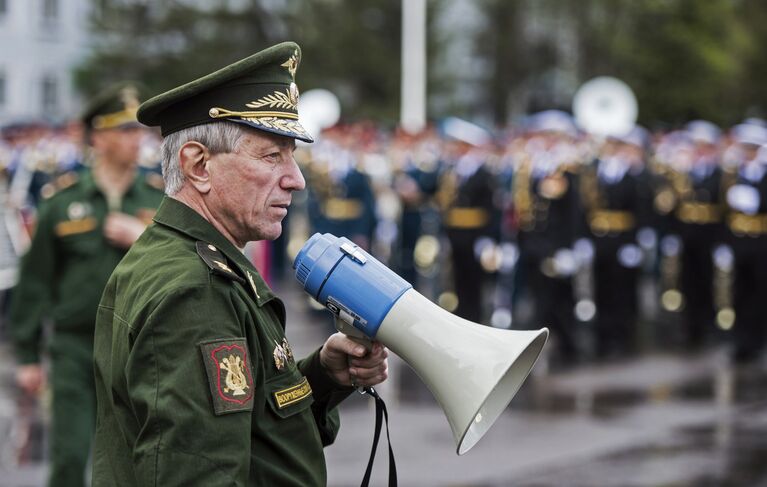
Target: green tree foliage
x=164, y=44
x=684, y=59
x=351, y=48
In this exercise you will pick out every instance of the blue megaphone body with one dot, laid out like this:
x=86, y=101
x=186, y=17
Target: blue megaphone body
x=473, y=370
x=351, y=284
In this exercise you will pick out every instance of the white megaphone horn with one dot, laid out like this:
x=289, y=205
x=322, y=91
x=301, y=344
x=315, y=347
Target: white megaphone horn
x=473, y=370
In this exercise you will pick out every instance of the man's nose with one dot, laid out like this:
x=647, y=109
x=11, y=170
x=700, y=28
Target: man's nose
x=294, y=179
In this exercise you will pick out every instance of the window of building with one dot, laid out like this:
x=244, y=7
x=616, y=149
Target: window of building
x=50, y=9
x=50, y=95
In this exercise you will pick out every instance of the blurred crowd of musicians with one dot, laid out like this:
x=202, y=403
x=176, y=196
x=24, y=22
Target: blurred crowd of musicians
x=616, y=243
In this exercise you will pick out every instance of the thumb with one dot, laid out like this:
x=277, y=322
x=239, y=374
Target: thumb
x=344, y=344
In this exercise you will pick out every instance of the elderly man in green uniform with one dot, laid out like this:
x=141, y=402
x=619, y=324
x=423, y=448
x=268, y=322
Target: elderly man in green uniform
x=196, y=382
x=83, y=231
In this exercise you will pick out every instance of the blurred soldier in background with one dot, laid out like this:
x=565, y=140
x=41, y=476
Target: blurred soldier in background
x=747, y=224
x=465, y=196
x=612, y=197
x=700, y=200
x=82, y=232
x=415, y=182
x=341, y=198
x=547, y=215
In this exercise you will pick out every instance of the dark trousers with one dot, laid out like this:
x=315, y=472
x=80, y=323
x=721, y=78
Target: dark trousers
x=554, y=305
x=468, y=277
x=615, y=296
x=749, y=294
x=73, y=409
x=697, y=287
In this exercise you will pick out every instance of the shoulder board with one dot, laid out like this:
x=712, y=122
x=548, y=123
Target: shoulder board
x=48, y=190
x=216, y=260
x=61, y=182
x=66, y=180
x=155, y=180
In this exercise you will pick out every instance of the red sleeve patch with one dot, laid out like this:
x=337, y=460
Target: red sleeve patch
x=227, y=363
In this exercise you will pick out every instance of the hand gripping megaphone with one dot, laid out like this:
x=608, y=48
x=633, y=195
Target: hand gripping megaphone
x=472, y=370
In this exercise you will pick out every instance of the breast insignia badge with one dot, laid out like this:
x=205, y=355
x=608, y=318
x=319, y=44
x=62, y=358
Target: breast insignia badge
x=283, y=354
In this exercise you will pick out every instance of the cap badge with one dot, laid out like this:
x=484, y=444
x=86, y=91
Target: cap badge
x=292, y=64
x=129, y=98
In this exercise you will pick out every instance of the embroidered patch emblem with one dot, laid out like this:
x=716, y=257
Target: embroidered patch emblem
x=293, y=394
x=283, y=354
x=229, y=376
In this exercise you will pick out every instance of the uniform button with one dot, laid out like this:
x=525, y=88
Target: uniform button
x=211, y=247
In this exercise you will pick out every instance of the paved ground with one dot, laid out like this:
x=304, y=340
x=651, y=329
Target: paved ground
x=662, y=420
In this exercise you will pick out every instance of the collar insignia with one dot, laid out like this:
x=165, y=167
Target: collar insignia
x=252, y=284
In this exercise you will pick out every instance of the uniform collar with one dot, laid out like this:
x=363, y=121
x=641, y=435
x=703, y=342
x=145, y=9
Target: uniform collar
x=180, y=217
x=88, y=182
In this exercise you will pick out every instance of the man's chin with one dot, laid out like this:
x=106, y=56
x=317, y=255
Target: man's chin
x=267, y=235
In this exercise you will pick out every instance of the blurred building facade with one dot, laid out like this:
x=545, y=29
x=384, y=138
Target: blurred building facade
x=42, y=41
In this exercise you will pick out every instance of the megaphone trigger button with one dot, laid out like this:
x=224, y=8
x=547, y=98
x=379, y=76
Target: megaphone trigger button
x=354, y=252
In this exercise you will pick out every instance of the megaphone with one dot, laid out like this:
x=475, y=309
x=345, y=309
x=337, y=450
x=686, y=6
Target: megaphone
x=472, y=370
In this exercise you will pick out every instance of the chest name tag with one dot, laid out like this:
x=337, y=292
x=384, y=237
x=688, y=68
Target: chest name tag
x=229, y=376
x=293, y=394
x=72, y=227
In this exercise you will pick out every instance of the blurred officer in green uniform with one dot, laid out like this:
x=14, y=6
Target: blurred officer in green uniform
x=196, y=383
x=82, y=232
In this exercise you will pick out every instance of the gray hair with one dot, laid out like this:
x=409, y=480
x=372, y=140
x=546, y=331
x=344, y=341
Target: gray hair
x=218, y=137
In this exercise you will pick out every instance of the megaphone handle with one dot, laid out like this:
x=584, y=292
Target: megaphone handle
x=356, y=336
x=381, y=413
x=353, y=333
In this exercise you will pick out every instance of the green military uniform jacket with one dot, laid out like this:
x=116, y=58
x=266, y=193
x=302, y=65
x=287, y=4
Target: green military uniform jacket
x=196, y=383
x=69, y=261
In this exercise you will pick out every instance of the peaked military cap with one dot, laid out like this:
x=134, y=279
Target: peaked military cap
x=114, y=107
x=259, y=91
x=552, y=121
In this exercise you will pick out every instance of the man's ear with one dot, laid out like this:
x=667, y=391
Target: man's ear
x=193, y=160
